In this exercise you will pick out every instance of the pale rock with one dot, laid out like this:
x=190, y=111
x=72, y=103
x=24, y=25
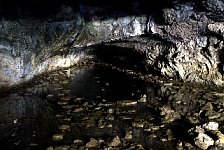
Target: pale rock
x=93, y=143
x=203, y=141
x=211, y=126
x=115, y=142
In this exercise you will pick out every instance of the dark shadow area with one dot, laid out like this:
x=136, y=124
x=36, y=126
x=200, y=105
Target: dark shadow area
x=221, y=59
x=97, y=9
x=125, y=58
x=104, y=83
x=25, y=120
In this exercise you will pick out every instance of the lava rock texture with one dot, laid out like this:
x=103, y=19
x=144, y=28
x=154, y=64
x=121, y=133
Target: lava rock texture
x=179, y=39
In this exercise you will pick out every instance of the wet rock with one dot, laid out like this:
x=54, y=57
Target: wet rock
x=50, y=148
x=127, y=103
x=168, y=114
x=128, y=135
x=78, y=110
x=78, y=142
x=65, y=147
x=33, y=144
x=179, y=146
x=93, y=143
x=57, y=137
x=62, y=103
x=110, y=111
x=138, y=124
x=116, y=142
x=203, y=141
x=64, y=127
x=143, y=99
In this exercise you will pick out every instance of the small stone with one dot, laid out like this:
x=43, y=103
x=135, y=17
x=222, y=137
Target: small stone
x=199, y=129
x=210, y=126
x=62, y=103
x=127, y=103
x=68, y=106
x=15, y=121
x=50, y=148
x=66, y=91
x=155, y=128
x=64, y=147
x=168, y=114
x=203, y=141
x=138, y=124
x=57, y=137
x=78, y=142
x=93, y=143
x=153, y=136
x=143, y=99
x=111, y=118
x=179, y=145
x=33, y=144
x=65, y=98
x=64, y=127
x=128, y=135
x=110, y=111
x=78, y=110
x=49, y=96
x=115, y=142
x=61, y=94
x=67, y=119
x=109, y=125
x=79, y=98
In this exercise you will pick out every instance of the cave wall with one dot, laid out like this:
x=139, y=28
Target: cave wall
x=180, y=39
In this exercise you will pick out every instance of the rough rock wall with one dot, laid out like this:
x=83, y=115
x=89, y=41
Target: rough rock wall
x=182, y=39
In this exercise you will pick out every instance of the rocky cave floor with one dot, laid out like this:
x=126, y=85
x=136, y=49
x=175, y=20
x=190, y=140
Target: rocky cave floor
x=99, y=106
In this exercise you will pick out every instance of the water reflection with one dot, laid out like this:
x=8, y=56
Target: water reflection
x=25, y=121
x=109, y=84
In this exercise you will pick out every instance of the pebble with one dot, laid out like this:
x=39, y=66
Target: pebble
x=68, y=106
x=115, y=142
x=110, y=111
x=57, y=137
x=78, y=142
x=128, y=135
x=62, y=103
x=93, y=143
x=50, y=148
x=138, y=124
x=33, y=144
x=78, y=110
x=65, y=98
x=64, y=127
x=49, y=96
x=61, y=94
x=109, y=125
x=143, y=99
x=127, y=103
x=64, y=147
